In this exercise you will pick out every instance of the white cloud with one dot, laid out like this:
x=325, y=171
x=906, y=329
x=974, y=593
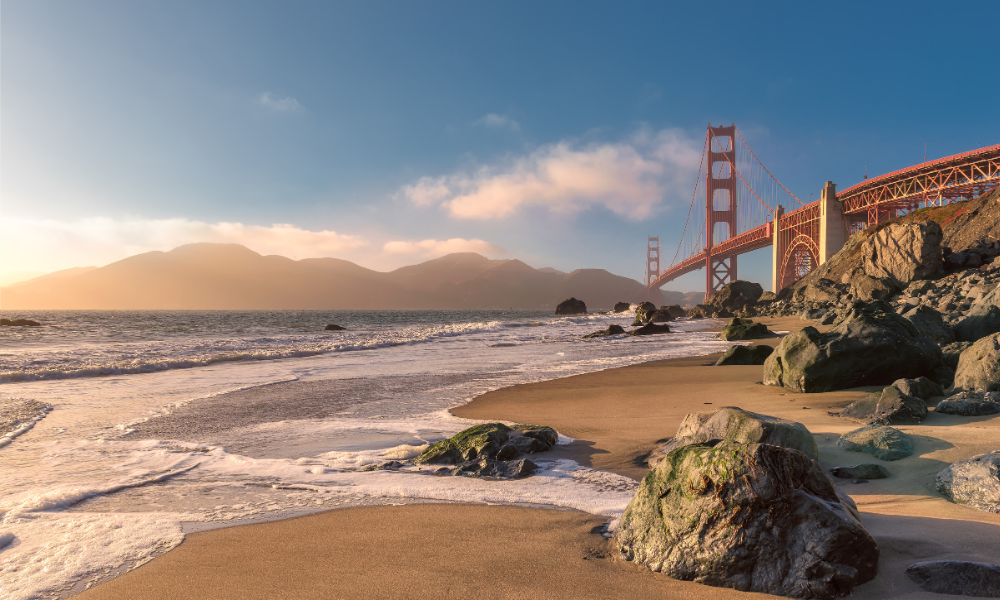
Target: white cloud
x=286, y=104
x=436, y=248
x=632, y=179
x=496, y=121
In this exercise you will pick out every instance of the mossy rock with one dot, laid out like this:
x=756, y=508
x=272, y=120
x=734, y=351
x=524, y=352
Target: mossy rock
x=466, y=445
x=743, y=329
x=754, y=517
x=486, y=449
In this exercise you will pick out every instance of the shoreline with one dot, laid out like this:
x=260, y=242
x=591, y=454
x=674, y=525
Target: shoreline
x=615, y=416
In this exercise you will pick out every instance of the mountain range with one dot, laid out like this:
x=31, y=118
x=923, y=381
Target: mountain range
x=232, y=277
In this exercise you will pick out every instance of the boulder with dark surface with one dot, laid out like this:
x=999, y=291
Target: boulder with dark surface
x=862, y=471
x=921, y=387
x=904, y=252
x=870, y=289
x=868, y=348
x=706, y=311
x=736, y=296
x=979, y=366
x=661, y=315
x=621, y=307
x=881, y=441
x=611, y=330
x=19, y=323
x=675, y=310
x=491, y=450
x=970, y=404
x=821, y=291
x=983, y=319
x=650, y=329
x=737, y=425
x=743, y=329
x=952, y=352
x=571, y=306
x=643, y=312
x=957, y=577
x=888, y=407
x=745, y=355
x=929, y=322
x=334, y=327
x=753, y=517
x=975, y=482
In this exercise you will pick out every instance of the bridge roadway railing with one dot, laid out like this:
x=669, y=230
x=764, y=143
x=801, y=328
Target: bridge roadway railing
x=755, y=239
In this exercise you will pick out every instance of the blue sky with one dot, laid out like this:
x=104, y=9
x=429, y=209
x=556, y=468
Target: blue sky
x=560, y=133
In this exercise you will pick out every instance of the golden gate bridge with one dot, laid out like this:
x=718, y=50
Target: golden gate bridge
x=746, y=208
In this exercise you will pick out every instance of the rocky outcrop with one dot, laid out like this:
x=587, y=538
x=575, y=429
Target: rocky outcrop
x=745, y=355
x=970, y=404
x=983, y=318
x=611, y=330
x=741, y=426
x=643, y=312
x=862, y=471
x=571, y=306
x=881, y=441
x=706, y=311
x=957, y=577
x=650, y=329
x=334, y=327
x=869, y=348
x=929, y=322
x=903, y=252
x=979, y=366
x=675, y=311
x=743, y=329
x=661, y=315
x=921, y=387
x=888, y=407
x=19, y=323
x=621, y=307
x=736, y=296
x=975, y=482
x=869, y=289
x=753, y=517
x=491, y=450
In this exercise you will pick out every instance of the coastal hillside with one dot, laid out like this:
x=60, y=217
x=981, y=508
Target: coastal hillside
x=233, y=277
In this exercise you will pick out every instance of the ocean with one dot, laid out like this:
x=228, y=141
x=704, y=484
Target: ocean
x=121, y=431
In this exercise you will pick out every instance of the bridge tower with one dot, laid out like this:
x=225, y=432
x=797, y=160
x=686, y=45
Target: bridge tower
x=652, y=263
x=720, y=206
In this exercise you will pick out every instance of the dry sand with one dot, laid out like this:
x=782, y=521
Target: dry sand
x=616, y=417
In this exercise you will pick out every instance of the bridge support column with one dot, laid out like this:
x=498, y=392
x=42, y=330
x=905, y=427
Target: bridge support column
x=777, y=252
x=832, y=223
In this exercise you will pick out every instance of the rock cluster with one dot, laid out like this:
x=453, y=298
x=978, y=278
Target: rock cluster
x=491, y=450
x=611, y=330
x=743, y=329
x=970, y=404
x=571, y=306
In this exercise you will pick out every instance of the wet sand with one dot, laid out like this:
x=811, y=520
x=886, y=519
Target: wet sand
x=616, y=417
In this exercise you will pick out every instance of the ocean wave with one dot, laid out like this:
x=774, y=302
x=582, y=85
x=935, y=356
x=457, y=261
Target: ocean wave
x=151, y=357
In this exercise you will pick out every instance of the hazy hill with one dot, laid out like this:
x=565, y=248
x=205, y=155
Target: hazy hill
x=230, y=276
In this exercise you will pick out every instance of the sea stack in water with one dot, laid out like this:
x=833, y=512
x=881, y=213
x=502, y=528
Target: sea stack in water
x=571, y=306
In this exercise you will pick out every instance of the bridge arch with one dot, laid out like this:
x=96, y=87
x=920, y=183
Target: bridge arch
x=801, y=256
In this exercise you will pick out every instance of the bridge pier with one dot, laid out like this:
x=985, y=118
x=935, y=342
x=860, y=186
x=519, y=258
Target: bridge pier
x=833, y=224
x=776, y=250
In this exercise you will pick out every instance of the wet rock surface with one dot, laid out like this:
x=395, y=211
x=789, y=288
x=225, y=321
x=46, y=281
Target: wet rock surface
x=745, y=355
x=956, y=577
x=888, y=407
x=970, y=404
x=491, y=450
x=643, y=312
x=621, y=307
x=975, y=482
x=741, y=426
x=861, y=471
x=611, y=330
x=334, y=327
x=571, y=306
x=880, y=441
x=650, y=329
x=753, y=517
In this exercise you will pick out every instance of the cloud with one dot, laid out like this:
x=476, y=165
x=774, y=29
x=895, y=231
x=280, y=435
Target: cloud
x=284, y=105
x=436, y=248
x=632, y=179
x=496, y=121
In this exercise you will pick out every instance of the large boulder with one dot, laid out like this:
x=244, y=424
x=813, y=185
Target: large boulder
x=870, y=289
x=970, y=404
x=491, y=450
x=621, y=307
x=903, y=252
x=921, y=387
x=745, y=355
x=957, y=577
x=821, y=291
x=979, y=366
x=743, y=329
x=571, y=306
x=881, y=441
x=888, y=407
x=753, y=517
x=929, y=322
x=650, y=329
x=675, y=311
x=736, y=296
x=983, y=318
x=869, y=348
x=975, y=482
x=661, y=315
x=643, y=312
x=741, y=426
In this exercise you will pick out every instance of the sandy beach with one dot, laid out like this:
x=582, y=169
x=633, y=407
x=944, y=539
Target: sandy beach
x=616, y=417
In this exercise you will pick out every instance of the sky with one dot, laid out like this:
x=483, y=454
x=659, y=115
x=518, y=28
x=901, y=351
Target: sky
x=388, y=133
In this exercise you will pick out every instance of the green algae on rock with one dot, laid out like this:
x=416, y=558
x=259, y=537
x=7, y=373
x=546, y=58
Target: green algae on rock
x=491, y=449
x=743, y=329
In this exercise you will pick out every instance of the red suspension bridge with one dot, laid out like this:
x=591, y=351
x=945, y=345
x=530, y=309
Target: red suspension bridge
x=746, y=208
